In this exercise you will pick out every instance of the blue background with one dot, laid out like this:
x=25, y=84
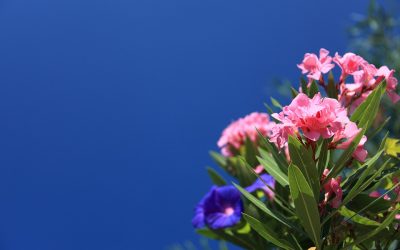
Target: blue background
x=108, y=108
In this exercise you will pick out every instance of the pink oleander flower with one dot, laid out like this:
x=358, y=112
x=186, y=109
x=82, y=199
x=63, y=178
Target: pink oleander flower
x=332, y=189
x=315, y=118
x=234, y=136
x=315, y=66
x=348, y=134
x=350, y=63
x=391, y=82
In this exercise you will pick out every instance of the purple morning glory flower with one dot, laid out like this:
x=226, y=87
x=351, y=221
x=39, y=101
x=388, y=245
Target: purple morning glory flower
x=259, y=185
x=220, y=208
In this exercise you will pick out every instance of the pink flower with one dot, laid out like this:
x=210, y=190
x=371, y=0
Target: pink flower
x=348, y=134
x=349, y=63
x=234, y=136
x=316, y=66
x=332, y=188
x=391, y=82
x=315, y=117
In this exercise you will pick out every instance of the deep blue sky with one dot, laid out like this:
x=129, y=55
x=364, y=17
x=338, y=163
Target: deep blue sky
x=108, y=108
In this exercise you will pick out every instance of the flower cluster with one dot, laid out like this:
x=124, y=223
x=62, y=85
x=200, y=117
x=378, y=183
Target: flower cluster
x=316, y=117
x=235, y=135
x=304, y=178
x=365, y=76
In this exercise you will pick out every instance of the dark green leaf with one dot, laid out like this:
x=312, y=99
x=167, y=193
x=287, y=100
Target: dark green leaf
x=305, y=204
x=356, y=217
x=331, y=88
x=313, y=89
x=303, y=159
x=215, y=177
x=267, y=233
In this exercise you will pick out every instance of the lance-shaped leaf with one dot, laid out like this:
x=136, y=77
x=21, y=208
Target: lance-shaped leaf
x=279, y=157
x=365, y=114
x=305, y=204
x=382, y=226
x=269, y=164
x=323, y=156
x=219, y=159
x=267, y=233
x=346, y=155
x=215, y=177
x=313, y=89
x=331, y=90
x=262, y=206
x=275, y=103
x=303, y=159
x=357, y=218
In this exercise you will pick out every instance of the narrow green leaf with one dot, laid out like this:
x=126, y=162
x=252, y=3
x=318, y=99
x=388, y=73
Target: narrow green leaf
x=344, y=211
x=272, y=168
x=261, y=206
x=275, y=103
x=313, y=89
x=331, y=88
x=378, y=129
x=218, y=158
x=365, y=114
x=304, y=87
x=267, y=233
x=294, y=92
x=215, y=177
x=323, y=157
x=303, y=159
x=305, y=204
x=269, y=109
x=279, y=157
x=382, y=226
x=346, y=155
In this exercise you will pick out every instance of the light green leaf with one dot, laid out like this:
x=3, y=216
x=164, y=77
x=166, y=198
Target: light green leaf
x=305, y=204
x=365, y=114
x=344, y=211
x=269, y=164
x=218, y=158
x=382, y=226
x=267, y=233
x=275, y=103
x=261, y=205
x=303, y=159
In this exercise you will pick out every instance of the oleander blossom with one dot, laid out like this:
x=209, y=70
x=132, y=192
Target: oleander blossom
x=220, y=208
x=315, y=66
x=333, y=191
x=234, y=136
x=316, y=117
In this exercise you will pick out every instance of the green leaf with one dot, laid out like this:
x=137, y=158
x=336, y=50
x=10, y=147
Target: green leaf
x=373, y=133
x=262, y=206
x=218, y=158
x=275, y=103
x=331, y=88
x=304, y=87
x=215, y=177
x=303, y=159
x=272, y=168
x=207, y=233
x=323, y=157
x=267, y=233
x=346, y=155
x=279, y=157
x=357, y=218
x=365, y=114
x=382, y=226
x=362, y=183
x=305, y=204
x=313, y=89
x=269, y=109
x=294, y=92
